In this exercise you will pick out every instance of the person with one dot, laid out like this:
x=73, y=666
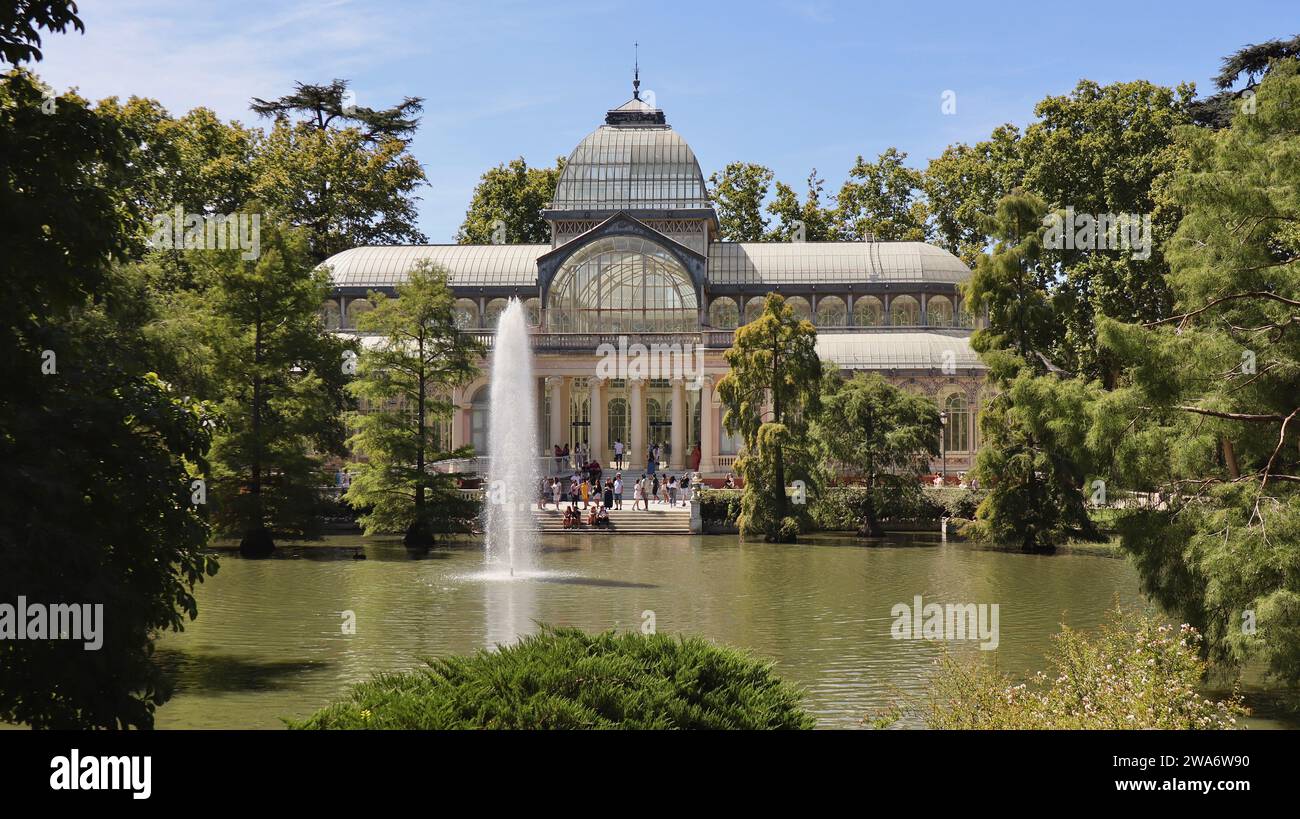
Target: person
x=650, y=459
x=663, y=489
x=543, y=492
x=730, y=482
x=559, y=461
x=602, y=518
x=672, y=490
x=654, y=490
x=618, y=453
x=695, y=458
x=609, y=494
x=686, y=489
x=571, y=517
x=555, y=492
x=591, y=516
x=618, y=490
x=938, y=480
x=636, y=492
x=583, y=489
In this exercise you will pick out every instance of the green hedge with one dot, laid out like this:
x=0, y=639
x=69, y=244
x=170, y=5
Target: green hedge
x=838, y=508
x=564, y=678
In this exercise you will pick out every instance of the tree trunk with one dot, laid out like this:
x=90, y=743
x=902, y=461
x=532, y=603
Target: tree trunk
x=257, y=540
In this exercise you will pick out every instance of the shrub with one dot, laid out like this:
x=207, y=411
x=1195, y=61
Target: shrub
x=719, y=506
x=838, y=508
x=564, y=678
x=1131, y=675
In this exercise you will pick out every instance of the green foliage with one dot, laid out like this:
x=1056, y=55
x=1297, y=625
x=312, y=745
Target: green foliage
x=340, y=185
x=406, y=381
x=97, y=454
x=512, y=195
x=563, y=679
x=883, y=433
x=842, y=508
x=882, y=199
x=1035, y=462
x=21, y=23
x=1206, y=412
x=818, y=221
x=1136, y=673
x=773, y=362
x=278, y=378
x=963, y=186
x=738, y=193
x=332, y=105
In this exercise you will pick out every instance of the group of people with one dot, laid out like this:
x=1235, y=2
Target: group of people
x=581, y=458
x=599, y=497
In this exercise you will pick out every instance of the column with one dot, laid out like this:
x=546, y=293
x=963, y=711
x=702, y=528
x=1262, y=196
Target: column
x=457, y=427
x=925, y=315
x=596, y=432
x=709, y=442
x=677, y=441
x=556, y=383
x=636, y=419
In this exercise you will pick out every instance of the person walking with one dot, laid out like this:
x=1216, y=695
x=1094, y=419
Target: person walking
x=636, y=492
x=618, y=490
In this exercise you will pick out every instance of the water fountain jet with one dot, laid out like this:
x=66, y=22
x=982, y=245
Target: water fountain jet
x=514, y=477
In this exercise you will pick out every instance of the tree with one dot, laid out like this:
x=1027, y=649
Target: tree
x=964, y=185
x=511, y=197
x=885, y=434
x=1036, y=427
x=1216, y=111
x=882, y=200
x=279, y=377
x=323, y=107
x=1106, y=150
x=806, y=222
x=738, y=193
x=97, y=455
x=21, y=22
x=773, y=361
x=1207, y=411
x=405, y=381
x=341, y=172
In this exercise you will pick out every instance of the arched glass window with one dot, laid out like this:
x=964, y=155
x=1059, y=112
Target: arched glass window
x=533, y=309
x=329, y=313
x=478, y=421
x=868, y=311
x=723, y=313
x=831, y=311
x=753, y=309
x=618, y=421
x=355, y=308
x=466, y=314
x=802, y=309
x=495, y=308
x=964, y=316
x=579, y=411
x=904, y=311
x=622, y=284
x=956, y=431
x=938, y=311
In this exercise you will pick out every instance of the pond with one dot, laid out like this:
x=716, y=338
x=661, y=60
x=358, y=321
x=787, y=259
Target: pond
x=270, y=640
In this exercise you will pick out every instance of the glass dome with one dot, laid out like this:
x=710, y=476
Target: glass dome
x=620, y=167
x=622, y=284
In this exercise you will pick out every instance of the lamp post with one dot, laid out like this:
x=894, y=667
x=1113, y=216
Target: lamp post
x=943, y=445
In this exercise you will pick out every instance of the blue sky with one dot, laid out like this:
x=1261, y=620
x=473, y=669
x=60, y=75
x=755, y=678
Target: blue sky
x=791, y=85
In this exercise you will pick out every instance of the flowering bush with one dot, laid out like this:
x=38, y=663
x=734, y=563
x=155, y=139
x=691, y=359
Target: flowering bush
x=1136, y=672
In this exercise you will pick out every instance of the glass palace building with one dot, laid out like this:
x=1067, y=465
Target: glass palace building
x=635, y=258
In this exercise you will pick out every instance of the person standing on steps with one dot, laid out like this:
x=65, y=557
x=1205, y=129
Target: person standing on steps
x=618, y=453
x=618, y=490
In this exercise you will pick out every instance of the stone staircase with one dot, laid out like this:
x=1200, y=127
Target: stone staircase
x=660, y=520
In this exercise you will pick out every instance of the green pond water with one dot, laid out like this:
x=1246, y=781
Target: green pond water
x=269, y=641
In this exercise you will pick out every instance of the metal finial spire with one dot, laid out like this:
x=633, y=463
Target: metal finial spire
x=636, y=74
